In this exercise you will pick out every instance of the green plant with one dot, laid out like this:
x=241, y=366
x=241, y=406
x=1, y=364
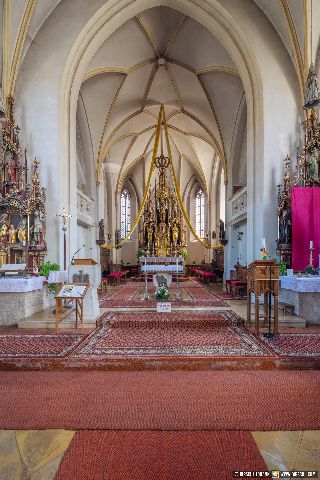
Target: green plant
x=282, y=268
x=184, y=253
x=139, y=253
x=162, y=293
x=44, y=271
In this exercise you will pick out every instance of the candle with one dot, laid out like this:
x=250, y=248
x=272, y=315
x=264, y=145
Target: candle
x=311, y=243
x=263, y=243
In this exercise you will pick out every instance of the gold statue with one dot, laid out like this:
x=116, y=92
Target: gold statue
x=3, y=257
x=22, y=232
x=12, y=234
x=175, y=234
x=4, y=232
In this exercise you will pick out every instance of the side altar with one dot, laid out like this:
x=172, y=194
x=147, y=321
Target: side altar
x=303, y=292
x=22, y=201
x=22, y=227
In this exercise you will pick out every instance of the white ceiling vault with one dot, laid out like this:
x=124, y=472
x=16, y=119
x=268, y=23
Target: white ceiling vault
x=159, y=57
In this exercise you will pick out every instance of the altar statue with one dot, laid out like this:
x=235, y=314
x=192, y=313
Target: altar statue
x=36, y=229
x=175, y=234
x=101, y=230
x=22, y=232
x=313, y=166
x=284, y=227
x=4, y=230
x=12, y=170
x=12, y=234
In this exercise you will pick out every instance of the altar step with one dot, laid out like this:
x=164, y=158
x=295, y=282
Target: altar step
x=47, y=319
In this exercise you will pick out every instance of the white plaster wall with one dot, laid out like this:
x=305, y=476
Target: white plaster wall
x=39, y=115
x=279, y=119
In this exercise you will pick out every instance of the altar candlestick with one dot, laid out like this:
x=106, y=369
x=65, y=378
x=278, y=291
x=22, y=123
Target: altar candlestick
x=311, y=243
x=264, y=243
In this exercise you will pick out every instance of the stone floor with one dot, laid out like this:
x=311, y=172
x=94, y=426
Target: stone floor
x=36, y=454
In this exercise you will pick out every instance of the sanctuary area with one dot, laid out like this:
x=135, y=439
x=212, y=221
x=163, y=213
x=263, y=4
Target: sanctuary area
x=159, y=239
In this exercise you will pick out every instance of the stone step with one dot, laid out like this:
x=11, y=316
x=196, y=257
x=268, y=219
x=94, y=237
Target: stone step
x=47, y=319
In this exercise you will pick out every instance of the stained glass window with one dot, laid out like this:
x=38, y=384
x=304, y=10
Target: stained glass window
x=125, y=213
x=200, y=213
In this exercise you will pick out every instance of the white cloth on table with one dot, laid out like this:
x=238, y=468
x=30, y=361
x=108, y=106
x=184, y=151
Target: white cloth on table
x=59, y=276
x=161, y=259
x=300, y=284
x=29, y=284
x=162, y=268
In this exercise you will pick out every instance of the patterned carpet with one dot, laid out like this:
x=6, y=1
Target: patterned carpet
x=142, y=455
x=176, y=400
x=130, y=295
x=294, y=344
x=147, y=334
x=30, y=346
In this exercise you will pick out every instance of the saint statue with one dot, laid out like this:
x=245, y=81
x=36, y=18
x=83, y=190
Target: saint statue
x=313, y=166
x=4, y=231
x=36, y=229
x=175, y=234
x=183, y=237
x=12, y=234
x=284, y=227
x=222, y=233
x=101, y=230
x=12, y=170
x=22, y=232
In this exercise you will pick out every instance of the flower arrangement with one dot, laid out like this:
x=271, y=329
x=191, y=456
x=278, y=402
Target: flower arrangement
x=162, y=293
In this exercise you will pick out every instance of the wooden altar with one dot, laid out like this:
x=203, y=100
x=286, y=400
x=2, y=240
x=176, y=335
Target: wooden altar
x=262, y=278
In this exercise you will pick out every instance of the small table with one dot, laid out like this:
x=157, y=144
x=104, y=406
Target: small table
x=64, y=302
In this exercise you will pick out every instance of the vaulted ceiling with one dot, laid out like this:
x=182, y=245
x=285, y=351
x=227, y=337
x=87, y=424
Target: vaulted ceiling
x=158, y=57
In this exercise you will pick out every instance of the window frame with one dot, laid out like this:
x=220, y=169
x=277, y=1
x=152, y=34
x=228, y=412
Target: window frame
x=200, y=213
x=125, y=213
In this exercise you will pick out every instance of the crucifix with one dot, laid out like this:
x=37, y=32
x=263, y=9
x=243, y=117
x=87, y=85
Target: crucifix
x=64, y=215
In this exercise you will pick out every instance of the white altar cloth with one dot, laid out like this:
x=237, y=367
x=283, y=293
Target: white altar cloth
x=13, y=284
x=60, y=276
x=300, y=284
x=162, y=268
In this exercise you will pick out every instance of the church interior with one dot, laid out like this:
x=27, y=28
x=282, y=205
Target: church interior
x=159, y=239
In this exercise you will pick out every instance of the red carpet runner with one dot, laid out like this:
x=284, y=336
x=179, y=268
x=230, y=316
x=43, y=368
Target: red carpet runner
x=178, y=400
x=147, y=455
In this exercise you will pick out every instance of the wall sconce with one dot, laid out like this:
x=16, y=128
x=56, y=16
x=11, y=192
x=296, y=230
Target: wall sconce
x=240, y=235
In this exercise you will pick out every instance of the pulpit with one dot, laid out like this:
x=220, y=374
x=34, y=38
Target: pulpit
x=263, y=278
x=86, y=270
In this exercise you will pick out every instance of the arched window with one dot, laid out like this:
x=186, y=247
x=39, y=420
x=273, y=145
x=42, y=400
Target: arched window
x=200, y=213
x=125, y=213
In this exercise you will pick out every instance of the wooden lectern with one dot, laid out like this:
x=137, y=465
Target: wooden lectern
x=263, y=277
x=84, y=261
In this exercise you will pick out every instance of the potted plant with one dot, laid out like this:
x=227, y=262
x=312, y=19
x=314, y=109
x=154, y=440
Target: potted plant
x=44, y=271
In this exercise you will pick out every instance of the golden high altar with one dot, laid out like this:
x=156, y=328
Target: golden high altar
x=162, y=232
